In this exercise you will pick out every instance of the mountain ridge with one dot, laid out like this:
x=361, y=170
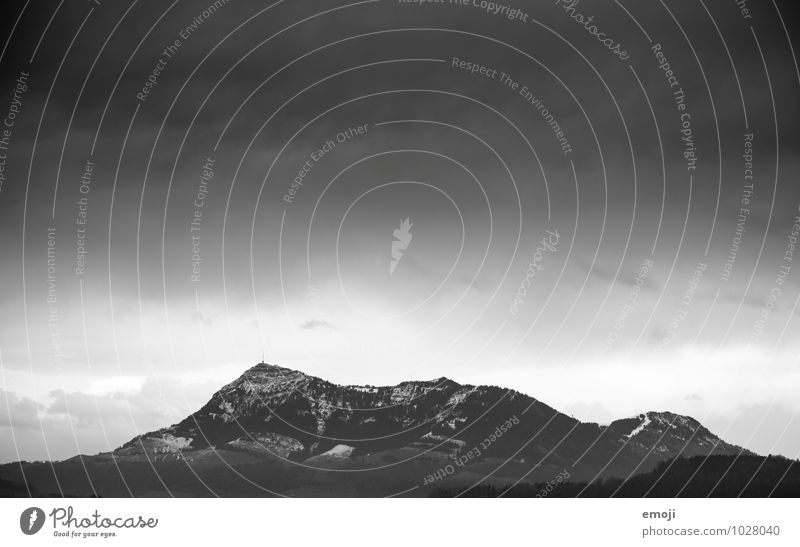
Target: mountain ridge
x=300, y=434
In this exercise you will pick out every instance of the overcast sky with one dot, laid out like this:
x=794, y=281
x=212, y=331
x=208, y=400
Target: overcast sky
x=652, y=289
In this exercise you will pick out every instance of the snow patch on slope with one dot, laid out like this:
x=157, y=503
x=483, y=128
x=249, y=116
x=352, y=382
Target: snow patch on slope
x=640, y=427
x=340, y=451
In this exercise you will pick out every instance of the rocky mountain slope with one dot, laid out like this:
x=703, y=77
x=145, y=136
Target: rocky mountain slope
x=276, y=431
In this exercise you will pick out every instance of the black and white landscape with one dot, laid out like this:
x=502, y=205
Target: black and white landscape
x=580, y=218
x=279, y=432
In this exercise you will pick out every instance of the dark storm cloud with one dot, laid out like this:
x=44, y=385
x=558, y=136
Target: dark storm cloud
x=577, y=74
x=467, y=34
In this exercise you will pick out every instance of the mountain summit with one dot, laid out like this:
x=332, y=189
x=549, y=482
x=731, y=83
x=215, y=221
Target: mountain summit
x=275, y=430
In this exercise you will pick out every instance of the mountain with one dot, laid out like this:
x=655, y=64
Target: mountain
x=276, y=431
